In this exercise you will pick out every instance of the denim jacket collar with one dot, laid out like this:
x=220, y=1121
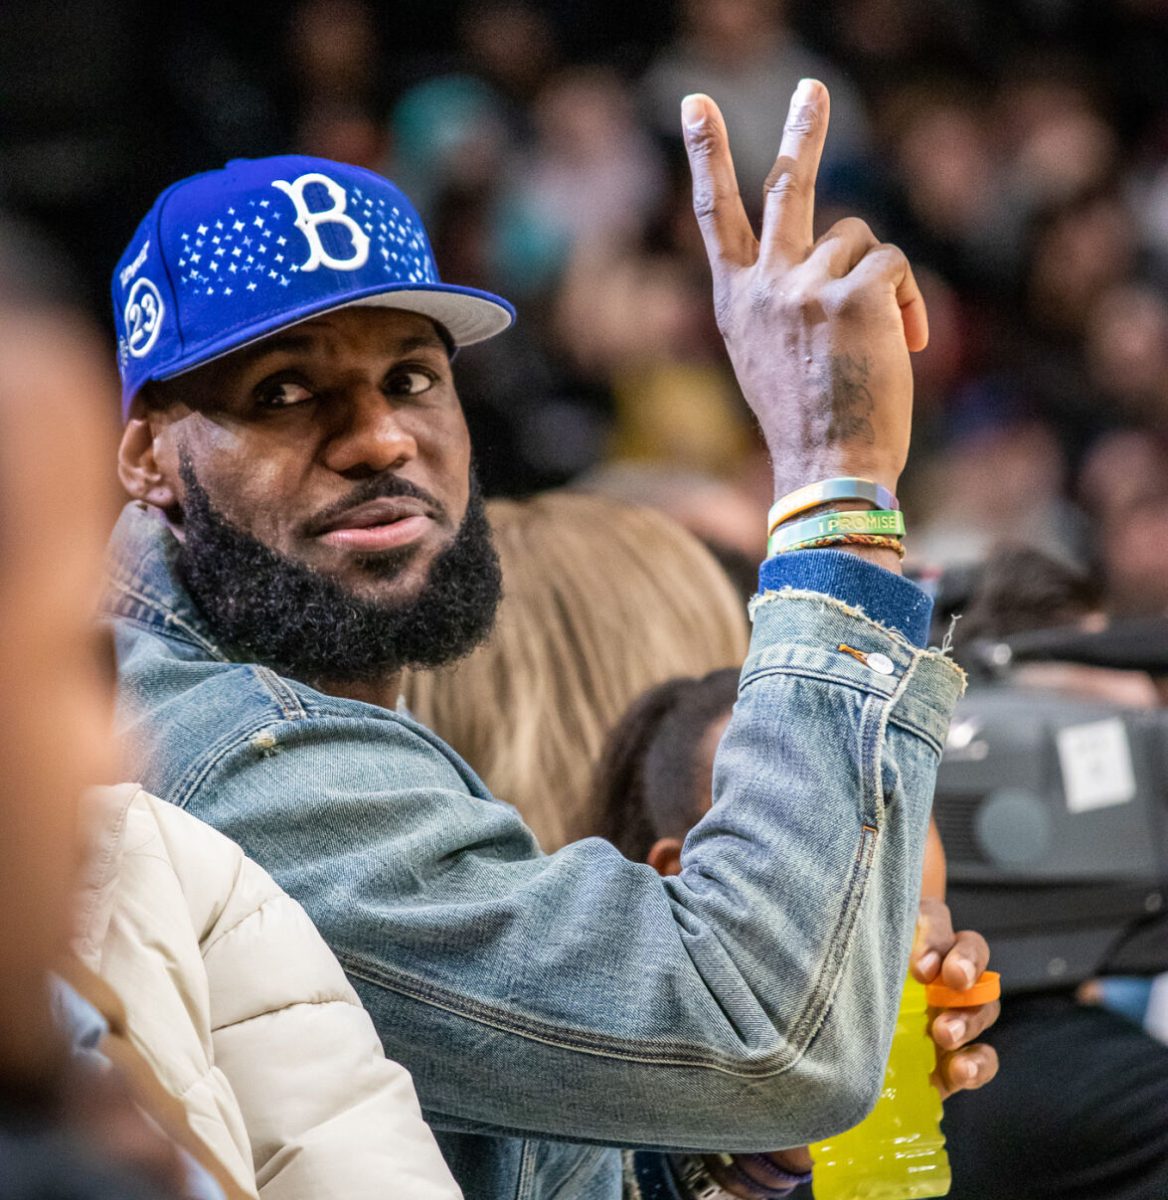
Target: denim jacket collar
x=144, y=581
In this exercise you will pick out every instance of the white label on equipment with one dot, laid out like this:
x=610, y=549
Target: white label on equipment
x=1096, y=765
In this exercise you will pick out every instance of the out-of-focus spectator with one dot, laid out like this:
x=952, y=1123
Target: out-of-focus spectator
x=1134, y=560
x=640, y=323
x=450, y=136
x=744, y=54
x=601, y=600
x=944, y=159
x=1056, y=592
x=65, y=1129
x=1127, y=353
x=333, y=64
x=1124, y=487
x=1000, y=477
x=57, y=500
x=229, y=998
x=592, y=175
x=718, y=512
x=1056, y=141
x=510, y=44
x=1079, y=249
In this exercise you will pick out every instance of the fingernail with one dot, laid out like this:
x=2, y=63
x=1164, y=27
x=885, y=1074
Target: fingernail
x=693, y=112
x=968, y=974
x=804, y=90
x=955, y=1028
x=929, y=963
x=967, y=1070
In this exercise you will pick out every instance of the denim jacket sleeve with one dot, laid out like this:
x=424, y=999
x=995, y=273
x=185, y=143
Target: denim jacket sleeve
x=746, y=1004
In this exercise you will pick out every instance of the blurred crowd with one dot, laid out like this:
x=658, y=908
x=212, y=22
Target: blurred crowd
x=1015, y=151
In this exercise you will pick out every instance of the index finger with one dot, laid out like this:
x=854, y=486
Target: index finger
x=966, y=961
x=933, y=941
x=789, y=200
x=717, y=202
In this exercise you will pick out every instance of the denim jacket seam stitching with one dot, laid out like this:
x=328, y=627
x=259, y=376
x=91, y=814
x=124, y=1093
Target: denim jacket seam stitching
x=147, y=619
x=822, y=994
x=281, y=692
x=196, y=774
x=528, y=1169
x=873, y=731
x=896, y=716
x=820, y=676
x=907, y=725
x=660, y=1054
x=872, y=783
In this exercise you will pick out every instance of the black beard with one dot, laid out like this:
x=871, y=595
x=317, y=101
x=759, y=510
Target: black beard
x=272, y=610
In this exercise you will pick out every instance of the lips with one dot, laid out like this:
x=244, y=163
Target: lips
x=381, y=524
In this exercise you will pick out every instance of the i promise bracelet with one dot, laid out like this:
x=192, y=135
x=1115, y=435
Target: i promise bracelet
x=828, y=491
x=879, y=522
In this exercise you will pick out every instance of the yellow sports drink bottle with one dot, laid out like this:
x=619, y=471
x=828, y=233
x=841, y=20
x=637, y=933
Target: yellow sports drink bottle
x=898, y=1151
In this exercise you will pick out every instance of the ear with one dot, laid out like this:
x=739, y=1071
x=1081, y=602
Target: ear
x=665, y=856
x=142, y=465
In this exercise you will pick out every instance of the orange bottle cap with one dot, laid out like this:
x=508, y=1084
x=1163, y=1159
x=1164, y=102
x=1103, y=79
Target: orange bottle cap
x=987, y=987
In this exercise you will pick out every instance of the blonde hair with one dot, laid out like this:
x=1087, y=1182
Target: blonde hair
x=601, y=601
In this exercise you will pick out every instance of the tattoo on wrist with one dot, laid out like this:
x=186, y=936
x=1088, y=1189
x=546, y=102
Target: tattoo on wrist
x=850, y=404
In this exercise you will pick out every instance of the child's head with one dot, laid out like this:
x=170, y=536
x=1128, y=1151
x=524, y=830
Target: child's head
x=653, y=782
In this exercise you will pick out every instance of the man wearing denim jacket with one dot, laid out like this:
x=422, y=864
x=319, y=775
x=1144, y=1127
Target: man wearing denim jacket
x=306, y=523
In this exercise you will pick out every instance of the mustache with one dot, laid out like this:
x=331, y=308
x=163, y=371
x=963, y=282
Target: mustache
x=377, y=487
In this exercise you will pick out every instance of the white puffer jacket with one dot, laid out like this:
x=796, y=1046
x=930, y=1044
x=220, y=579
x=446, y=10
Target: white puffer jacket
x=234, y=999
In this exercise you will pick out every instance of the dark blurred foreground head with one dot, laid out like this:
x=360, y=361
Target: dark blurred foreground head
x=56, y=507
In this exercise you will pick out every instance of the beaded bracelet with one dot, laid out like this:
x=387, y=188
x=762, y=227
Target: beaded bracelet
x=875, y=540
x=825, y=492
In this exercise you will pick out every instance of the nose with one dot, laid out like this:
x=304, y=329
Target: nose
x=368, y=437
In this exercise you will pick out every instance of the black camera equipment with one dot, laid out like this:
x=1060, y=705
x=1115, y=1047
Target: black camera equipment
x=1054, y=813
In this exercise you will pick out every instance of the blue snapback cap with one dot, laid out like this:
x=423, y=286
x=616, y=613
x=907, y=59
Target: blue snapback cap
x=229, y=256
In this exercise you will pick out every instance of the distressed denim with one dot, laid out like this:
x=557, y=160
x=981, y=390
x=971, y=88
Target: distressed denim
x=552, y=1006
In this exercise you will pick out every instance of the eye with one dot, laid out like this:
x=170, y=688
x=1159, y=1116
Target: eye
x=283, y=394
x=409, y=382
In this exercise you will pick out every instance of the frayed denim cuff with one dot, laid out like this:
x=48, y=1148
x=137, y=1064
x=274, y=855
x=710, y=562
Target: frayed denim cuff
x=888, y=599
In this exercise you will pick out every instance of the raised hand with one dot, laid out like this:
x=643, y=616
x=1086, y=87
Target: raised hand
x=819, y=332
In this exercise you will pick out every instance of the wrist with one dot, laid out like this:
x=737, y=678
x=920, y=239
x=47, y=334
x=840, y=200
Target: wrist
x=888, y=559
x=759, y=1176
x=808, y=518
x=786, y=481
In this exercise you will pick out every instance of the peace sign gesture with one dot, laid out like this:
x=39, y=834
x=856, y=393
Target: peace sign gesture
x=818, y=332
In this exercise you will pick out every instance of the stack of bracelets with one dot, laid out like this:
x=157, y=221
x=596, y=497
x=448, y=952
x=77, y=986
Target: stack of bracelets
x=881, y=526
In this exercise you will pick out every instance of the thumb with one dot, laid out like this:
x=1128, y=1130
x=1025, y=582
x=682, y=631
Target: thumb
x=934, y=939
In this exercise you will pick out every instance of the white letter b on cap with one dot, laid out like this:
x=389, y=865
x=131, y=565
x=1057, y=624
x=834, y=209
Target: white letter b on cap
x=307, y=222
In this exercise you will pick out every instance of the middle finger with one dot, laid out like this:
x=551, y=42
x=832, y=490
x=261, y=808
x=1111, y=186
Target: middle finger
x=789, y=202
x=954, y=1027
